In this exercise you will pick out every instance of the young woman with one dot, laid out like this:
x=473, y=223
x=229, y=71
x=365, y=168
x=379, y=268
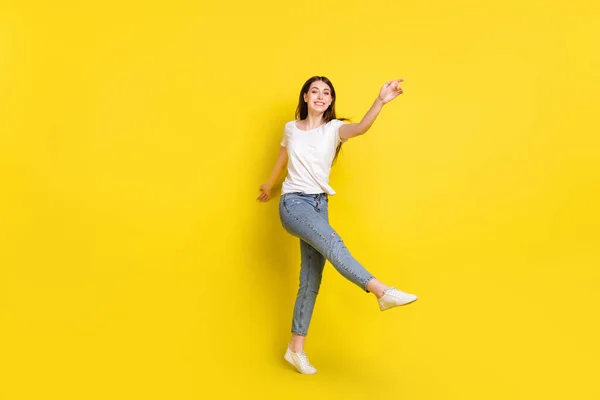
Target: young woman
x=309, y=146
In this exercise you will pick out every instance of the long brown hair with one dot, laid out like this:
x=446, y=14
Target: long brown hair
x=328, y=115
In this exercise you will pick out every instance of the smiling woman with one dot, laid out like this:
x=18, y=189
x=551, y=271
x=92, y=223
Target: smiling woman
x=131, y=266
x=309, y=146
x=318, y=95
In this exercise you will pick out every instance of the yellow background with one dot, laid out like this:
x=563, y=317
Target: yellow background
x=136, y=263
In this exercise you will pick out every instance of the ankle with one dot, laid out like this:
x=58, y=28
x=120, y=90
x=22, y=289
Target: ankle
x=376, y=287
x=295, y=348
x=379, y=291
x=296, y=343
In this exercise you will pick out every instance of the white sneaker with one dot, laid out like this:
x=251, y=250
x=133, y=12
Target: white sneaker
x=393, y=297
x=300, y=361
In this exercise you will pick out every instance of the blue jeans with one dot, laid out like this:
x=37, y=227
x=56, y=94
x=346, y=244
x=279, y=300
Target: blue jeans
x=306, y=217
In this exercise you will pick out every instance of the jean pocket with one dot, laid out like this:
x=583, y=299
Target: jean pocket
x=293, y=200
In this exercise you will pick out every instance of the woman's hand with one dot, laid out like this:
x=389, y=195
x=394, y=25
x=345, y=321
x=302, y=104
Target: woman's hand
x=390, y=91
x=265, y=192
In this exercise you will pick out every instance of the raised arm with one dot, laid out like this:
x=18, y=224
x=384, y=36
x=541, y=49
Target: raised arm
x=265, y=188
x=388, y=92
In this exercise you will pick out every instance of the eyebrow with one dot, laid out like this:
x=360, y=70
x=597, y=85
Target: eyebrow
x=314, y=87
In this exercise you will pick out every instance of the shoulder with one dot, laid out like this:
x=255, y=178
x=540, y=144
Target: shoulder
x=334, y=124
x=334, y=129
x=290, y=125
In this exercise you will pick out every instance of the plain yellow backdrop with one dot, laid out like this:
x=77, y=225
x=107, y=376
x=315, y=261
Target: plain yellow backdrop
x=137, y=264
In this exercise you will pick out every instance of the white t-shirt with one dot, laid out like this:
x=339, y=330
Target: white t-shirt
x=310, y=154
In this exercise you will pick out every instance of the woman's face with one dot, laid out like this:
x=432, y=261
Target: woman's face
x=318, y=97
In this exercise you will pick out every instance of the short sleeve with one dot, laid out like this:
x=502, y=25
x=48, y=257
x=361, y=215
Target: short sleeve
x=284, y=139
x=335, y=125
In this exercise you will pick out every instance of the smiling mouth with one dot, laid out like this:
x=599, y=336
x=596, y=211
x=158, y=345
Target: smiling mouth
x=318, y=103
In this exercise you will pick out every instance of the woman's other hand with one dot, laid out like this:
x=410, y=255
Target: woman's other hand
x=265, y=193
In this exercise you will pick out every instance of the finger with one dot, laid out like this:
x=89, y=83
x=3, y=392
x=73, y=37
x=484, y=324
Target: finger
x=400, y=80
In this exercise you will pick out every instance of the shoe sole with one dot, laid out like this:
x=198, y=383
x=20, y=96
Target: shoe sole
x=399, y=305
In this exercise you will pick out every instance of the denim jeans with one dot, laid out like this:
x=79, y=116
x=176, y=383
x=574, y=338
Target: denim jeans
x=306, y=217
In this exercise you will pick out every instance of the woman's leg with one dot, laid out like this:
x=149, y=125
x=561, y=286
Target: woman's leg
x=311, y=274
x=306, y=216
x=301, y=218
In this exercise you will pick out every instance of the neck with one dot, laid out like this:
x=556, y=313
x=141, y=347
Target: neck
x=314, y=120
